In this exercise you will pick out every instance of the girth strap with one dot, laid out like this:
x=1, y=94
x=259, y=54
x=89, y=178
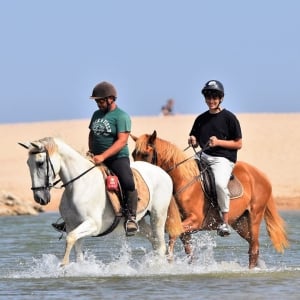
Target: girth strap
x=112, y=226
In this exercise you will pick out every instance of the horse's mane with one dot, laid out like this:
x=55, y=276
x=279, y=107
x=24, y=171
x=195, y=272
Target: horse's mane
x=48, y=143
x=170, y=155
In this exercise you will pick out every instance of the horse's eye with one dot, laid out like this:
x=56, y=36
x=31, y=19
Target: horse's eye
x=39, y=164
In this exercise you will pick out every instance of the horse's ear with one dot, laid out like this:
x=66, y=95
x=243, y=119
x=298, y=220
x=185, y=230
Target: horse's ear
x=37, y=145
x=25, y=145
x=133, y=137
x=152, y=137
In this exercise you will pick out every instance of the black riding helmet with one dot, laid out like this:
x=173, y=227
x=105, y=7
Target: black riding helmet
x=213, y=87
x=104, y=90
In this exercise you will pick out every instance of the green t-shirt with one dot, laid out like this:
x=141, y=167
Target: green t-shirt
x=105, y=128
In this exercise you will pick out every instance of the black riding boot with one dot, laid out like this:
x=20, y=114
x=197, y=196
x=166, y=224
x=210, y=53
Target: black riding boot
x=131, y=225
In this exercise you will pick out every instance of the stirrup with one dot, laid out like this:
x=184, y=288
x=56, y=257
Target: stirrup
x=61, y=227
x=223, y=230
x=131, y=227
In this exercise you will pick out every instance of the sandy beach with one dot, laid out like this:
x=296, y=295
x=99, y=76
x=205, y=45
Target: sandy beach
x=271, y=142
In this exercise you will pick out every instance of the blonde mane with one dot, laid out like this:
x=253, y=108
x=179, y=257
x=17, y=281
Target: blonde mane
x=170, y=155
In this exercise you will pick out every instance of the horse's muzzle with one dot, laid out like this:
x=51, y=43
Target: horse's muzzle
x=42, y=196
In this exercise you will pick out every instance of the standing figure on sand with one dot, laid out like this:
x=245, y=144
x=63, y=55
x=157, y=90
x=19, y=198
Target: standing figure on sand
x=168, y=108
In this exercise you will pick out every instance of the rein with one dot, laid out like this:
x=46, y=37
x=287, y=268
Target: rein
x=154, y=161
x=154, y=158
x=49, y=185
x=77, y=177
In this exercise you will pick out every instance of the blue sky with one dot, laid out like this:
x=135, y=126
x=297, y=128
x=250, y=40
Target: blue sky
x=54, y=52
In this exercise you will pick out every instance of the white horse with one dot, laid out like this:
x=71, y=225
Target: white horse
x=85, y=206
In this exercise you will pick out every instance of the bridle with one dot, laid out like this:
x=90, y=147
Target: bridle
x=49, y=165
x=196, y=178
x=49, y=185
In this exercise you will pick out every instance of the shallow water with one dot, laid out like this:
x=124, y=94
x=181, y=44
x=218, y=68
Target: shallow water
x=124, y=268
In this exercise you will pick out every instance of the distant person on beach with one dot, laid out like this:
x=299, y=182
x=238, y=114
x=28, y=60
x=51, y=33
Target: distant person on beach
x=219, y=134
x=167, y=110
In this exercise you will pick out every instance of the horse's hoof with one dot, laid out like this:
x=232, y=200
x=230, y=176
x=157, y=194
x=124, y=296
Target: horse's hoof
x=170, y=259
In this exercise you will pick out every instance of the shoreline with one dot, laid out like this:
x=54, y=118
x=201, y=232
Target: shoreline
x=270, y=143
x=282, y=204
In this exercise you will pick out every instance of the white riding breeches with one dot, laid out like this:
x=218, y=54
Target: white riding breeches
x=222, y=170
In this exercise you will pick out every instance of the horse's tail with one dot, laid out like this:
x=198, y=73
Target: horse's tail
x=275, y=226
x=173, y=223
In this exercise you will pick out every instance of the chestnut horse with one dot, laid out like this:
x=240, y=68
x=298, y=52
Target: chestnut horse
x=246, y=212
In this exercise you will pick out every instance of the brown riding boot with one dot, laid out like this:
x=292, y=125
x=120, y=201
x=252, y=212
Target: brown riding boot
x=131, y=225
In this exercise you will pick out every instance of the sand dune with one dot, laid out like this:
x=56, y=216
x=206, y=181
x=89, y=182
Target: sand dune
x=271, y=142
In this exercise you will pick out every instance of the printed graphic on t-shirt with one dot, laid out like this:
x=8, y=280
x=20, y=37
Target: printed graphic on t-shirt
x=101, y=127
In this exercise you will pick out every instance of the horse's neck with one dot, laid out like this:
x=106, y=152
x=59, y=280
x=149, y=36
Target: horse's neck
x=72, y=163
x=180, y=173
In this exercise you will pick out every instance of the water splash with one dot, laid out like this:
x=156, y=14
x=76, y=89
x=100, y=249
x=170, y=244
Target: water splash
x=128, y=263
x=134, y=260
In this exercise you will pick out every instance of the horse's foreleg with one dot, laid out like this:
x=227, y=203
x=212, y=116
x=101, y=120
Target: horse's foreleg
x=187, y=243
x=70, y=241
x=78, y=250
x=170, y=250
x=87, y=228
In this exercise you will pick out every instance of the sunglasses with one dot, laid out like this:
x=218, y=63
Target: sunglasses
x=212, y=95
x=101, y=100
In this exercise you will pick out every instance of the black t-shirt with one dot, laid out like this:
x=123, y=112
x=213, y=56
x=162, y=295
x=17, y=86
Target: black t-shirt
x=224, y=125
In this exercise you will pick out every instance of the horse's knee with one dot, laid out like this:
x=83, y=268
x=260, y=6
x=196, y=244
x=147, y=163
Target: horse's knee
x=70, y=239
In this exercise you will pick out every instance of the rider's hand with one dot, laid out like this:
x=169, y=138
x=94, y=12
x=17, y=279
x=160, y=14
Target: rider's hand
x=192, y=141
x=89, y=154
x=213, y=141
x=98, y=159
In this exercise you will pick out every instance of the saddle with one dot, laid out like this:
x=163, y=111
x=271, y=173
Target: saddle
x=115, y=195
x=208, y=183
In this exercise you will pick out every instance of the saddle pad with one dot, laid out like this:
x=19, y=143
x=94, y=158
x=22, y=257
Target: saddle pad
x=142, y=189
x=235, y=188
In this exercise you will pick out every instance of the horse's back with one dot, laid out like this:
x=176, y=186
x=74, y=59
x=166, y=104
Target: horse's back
x=244, y=167
x=152, y=172
x=253, y=179
x=156, y=178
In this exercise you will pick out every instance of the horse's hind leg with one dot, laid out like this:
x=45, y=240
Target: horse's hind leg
x=152, y=234
x=158, y=231
x=245, y=228
x=145, y=229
